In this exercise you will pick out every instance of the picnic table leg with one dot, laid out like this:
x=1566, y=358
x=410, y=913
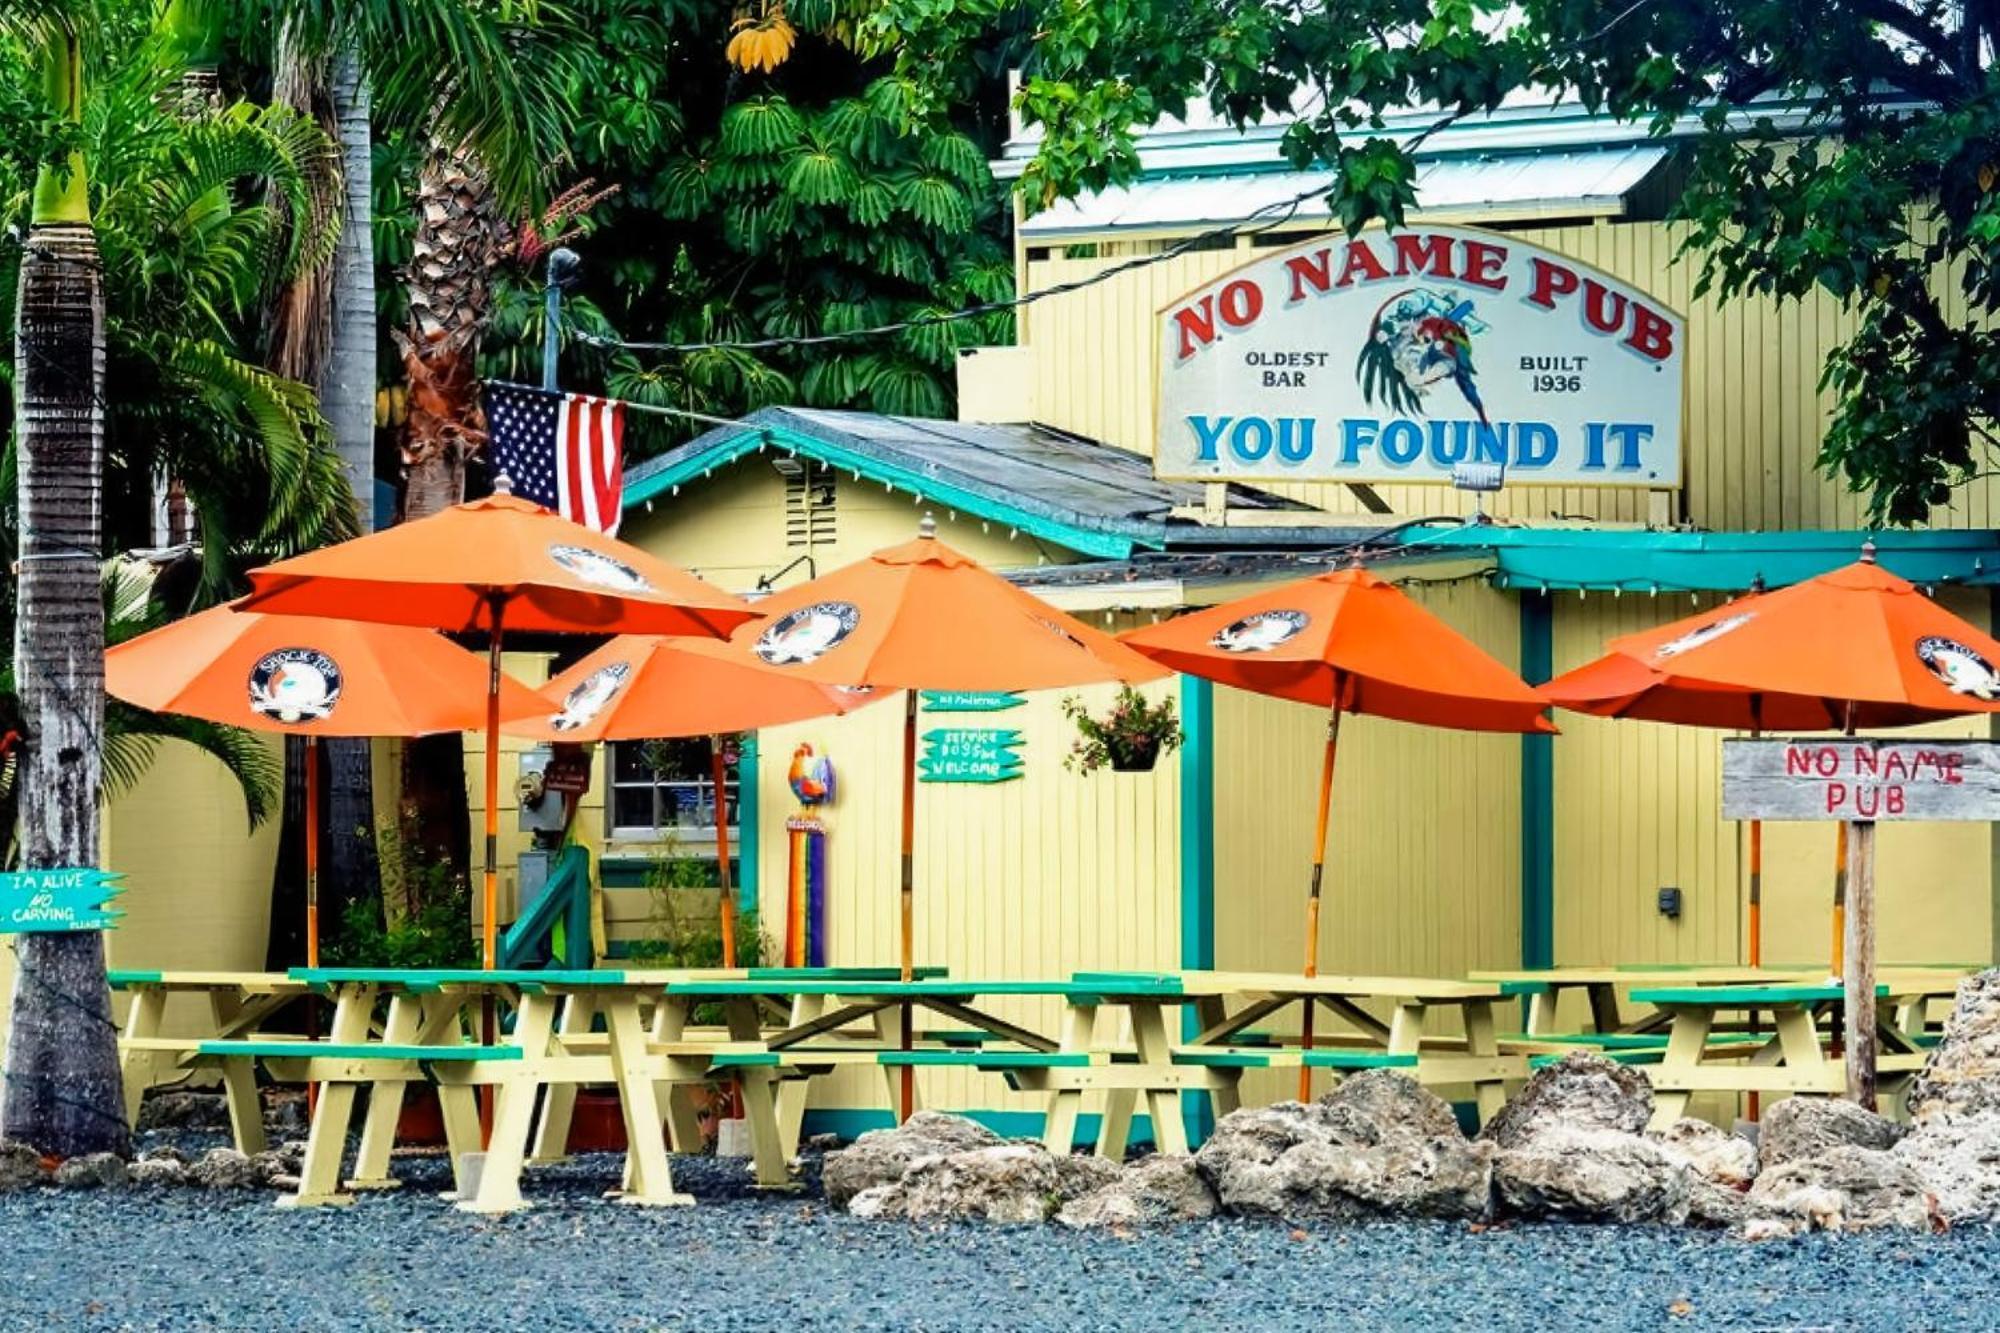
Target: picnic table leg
x=767, y=1156
x=1603, y=1007
x=1542, y=1007
x=891, y=1021
x=1079, y=1031
x=670, y=1020
x=792, y=1093
x=239, y=1086
x=326, y=1142
x=649, y=1177
x=1687, y=1041
x=1211, y=1012
x=1156, y=1051
x=514, y=1109
x=1798, y=1037
x=385, y=1102
x=579, y=1010
x=1482, y=1039
x=135, y=1068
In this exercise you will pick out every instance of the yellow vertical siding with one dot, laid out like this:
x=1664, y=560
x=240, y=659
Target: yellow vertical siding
x=1035, y=878
x=1754, y=412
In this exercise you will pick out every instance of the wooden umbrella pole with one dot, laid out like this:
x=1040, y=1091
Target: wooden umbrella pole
x=1756, y=865
x=1859, y=973
x=907, y=1101
x=489, y=901
x=1318, y=875
x=719, y=776
x=312, y=896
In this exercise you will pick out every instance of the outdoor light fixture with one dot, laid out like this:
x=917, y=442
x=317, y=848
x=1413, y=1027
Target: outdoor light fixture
x=1481, y=479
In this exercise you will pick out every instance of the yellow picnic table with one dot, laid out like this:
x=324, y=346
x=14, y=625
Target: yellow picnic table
x=236, y=1005
x=1793, y=1059
x=1227, y=1004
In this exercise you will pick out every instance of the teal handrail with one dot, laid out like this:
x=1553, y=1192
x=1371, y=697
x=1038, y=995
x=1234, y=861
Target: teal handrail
x=565, y=901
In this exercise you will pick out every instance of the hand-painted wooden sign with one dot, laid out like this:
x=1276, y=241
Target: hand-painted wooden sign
x=971, y=754
x=39, y=901
x=1860, y=780
x=970, y=701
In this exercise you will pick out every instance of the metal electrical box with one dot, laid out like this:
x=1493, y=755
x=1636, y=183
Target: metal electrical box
x=539, y=806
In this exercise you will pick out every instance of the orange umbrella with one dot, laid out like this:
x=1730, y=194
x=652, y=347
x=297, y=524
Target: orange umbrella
x=922, y=616
x=304, y=676
x=1854, y=647
x=496, y=564
x=642, y=686
x=1354, y=644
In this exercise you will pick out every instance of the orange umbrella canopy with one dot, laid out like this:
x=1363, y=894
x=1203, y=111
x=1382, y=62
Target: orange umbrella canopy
x=446, y=572
x=644, y=686
x=1857, y=646
x=1350, y=640
x=308, y=676
x=922, y=616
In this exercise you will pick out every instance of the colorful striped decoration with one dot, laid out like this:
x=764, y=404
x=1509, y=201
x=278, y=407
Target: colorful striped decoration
x=805, y=893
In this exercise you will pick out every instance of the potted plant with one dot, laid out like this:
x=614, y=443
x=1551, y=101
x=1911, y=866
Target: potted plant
x=1129, y=739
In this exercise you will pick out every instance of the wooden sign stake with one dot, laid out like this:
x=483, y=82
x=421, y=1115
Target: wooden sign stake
x=1860, y=964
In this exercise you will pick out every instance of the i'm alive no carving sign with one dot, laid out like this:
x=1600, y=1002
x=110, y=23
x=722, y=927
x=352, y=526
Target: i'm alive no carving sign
x=1396, y=356
x=1854, y=779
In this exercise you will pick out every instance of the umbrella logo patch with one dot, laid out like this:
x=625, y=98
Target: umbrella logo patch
x=588, y=697
x=598, y=569
x=1708, y=633
x=1260, y=633
x=1962, y=670
x=294, y=685
x=807, y=634
x=1053, y=628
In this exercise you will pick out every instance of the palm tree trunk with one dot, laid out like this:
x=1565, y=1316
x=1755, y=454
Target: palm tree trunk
x=459, y=237
x=63, y=1092
x=347, y=389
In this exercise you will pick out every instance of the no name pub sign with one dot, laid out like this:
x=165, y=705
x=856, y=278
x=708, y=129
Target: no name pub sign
x=1397, y=356
x=1860, y=780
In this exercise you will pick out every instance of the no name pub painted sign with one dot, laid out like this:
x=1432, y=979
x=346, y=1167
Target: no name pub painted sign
x=1860, y=780
x=1396, y=356
x=971, y=754
x=34, y=902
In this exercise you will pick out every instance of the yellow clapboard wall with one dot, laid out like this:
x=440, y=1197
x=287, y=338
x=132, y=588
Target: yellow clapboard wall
x=1755, y=416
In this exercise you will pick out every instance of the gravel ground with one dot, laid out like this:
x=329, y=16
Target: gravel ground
x=191, y=1259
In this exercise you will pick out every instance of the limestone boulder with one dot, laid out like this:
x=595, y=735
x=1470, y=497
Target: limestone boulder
x=1959, y=1164
x=20, y=1166
x=1582, y=1173
x=1717, y=1156
x=1154, y=1191
x=224, y=1169
x=159, y=1171
x=881, y=1157
x=1081, y=1174
x=1961, y=1076
x=1802, y=1127
x=1581, y=1091
x=97, y=1170
x=1007, y=1182
x=1377, y=1145
x=1844, y=1187
x=183, y=1110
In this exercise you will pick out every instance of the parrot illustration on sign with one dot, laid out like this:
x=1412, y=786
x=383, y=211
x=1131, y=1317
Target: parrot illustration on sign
x=1417, y=339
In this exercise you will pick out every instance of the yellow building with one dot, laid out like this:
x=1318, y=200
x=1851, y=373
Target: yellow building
x=1448, y=851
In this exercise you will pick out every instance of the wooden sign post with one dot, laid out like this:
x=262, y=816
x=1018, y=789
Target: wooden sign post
x=1860, y=781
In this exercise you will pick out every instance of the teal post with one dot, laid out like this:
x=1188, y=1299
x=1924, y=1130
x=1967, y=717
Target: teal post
x=746, y=824
x=1538, y=793
x=1197, y=866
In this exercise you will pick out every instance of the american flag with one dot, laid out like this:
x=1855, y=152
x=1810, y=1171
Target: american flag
x=564, y=451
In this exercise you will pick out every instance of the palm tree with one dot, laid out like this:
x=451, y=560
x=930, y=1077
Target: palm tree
x=186, y=261
x=63, y=1091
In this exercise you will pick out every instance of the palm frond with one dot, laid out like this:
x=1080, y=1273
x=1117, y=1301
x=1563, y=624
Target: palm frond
x=132, y=737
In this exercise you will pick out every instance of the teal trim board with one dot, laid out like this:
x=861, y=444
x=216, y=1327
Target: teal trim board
x=1197, y=866
x=749, y=803
x=1538, y=793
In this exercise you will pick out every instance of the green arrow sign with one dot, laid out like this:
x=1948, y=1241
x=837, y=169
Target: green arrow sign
x=40, y=901
x=971, y=754
x=970, y=701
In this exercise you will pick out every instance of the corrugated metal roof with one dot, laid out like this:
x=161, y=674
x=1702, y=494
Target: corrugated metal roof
x=1079, y=492
x=1591, y=182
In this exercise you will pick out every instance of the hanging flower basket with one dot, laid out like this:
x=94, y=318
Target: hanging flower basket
x=1129, y=739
